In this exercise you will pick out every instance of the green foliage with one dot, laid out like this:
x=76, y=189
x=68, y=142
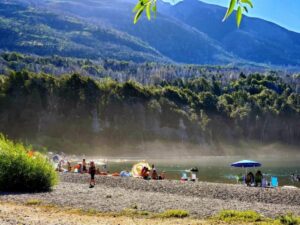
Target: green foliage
x=251, y=217
x=289, y=219
x=177, y=213
x=41, y=32
x=150, y=5
x=242, y=6
x=144, y=5
x=20, y=172
x=239, y=216
x=72, y=111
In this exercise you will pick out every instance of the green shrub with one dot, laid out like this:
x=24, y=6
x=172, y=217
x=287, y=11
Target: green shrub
x=289, y=219
x=20, y=172
x=241, y=216
x=178, y=213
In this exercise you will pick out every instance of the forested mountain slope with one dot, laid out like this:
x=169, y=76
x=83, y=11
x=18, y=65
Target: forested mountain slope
x=189, y=32
x=73, y=112
x=193, y=32
x=30, y=30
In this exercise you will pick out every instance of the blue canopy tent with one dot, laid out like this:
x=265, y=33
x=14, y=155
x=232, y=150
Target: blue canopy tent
x=246, y=164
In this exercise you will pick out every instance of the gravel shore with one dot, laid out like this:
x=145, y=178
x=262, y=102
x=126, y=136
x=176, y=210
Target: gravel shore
x=201, y=199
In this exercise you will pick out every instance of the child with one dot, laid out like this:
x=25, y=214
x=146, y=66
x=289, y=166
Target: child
x=92, y=171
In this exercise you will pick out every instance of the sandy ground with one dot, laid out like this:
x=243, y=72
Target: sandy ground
x=14, y=214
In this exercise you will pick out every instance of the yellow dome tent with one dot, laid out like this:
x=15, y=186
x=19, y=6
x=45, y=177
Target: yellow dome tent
x=137, y=168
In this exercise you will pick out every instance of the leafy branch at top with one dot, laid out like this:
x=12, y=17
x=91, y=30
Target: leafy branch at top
x=149, y=6
x=242, y=7
x=144, y=5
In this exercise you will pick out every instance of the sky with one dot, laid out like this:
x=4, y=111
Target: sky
x=285, y=13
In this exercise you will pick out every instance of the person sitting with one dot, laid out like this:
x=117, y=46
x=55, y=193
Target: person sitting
x=162, y=176
x=258, y=178
x=154, y=174
x=249, y=179
x=145, y=173
x=193, y=177
x=69, y=166
x=184, y=177
x=79, y=168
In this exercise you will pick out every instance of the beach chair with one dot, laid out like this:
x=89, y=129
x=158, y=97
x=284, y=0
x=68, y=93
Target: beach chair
x=184, y=177
x=274, y=182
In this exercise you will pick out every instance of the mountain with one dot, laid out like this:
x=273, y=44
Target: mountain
x=189, y=32
x=256, y=40
x=174, y=39
x=26, y=29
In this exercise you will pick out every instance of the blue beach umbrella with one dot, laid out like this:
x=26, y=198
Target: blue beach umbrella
x=246, y=164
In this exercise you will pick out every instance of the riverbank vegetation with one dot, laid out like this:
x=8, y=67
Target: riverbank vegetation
x=22, y=170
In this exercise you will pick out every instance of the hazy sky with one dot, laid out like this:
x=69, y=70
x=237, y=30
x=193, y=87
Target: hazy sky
x=286, y=13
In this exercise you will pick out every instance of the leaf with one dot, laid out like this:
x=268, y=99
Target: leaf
x=137, y=7
x=138, y=14
x=249, y=2
x=148, y=13
x=154, y=8
x=245, y=8
x=239, y=15
x=230, y=9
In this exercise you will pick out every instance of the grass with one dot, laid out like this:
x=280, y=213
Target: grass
x=251, y=217
x=241, y=216
x=33, y=202
x=289, y=219
x=175, y=213
x=129, y=212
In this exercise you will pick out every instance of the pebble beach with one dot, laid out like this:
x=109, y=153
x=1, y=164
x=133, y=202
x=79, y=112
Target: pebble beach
x=200, y=199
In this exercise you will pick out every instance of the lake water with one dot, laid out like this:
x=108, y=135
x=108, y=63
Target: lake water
x=216, y=169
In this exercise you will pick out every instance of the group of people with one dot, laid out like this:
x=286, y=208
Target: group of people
x=256, y=179
x=152, y=173
x=83, y=167
x=295, y=178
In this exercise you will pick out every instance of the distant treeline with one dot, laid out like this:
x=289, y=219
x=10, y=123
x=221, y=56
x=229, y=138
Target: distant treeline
x=72, y=111
x=145, y=73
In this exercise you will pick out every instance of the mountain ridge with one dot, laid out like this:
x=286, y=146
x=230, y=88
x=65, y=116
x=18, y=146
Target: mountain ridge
x=189, y=32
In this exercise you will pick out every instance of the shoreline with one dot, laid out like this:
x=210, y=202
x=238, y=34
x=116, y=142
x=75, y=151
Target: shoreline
x=223, y=191
x=200, y=199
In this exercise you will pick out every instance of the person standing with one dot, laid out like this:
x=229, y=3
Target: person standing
x=92, y=172
x=84, y=169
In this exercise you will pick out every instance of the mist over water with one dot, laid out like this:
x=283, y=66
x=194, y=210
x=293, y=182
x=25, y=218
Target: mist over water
x=213, y=162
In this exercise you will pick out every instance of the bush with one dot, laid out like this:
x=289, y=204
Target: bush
x=22, y=172
x=178, y=213
x=241, y=216
x=289, y=219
